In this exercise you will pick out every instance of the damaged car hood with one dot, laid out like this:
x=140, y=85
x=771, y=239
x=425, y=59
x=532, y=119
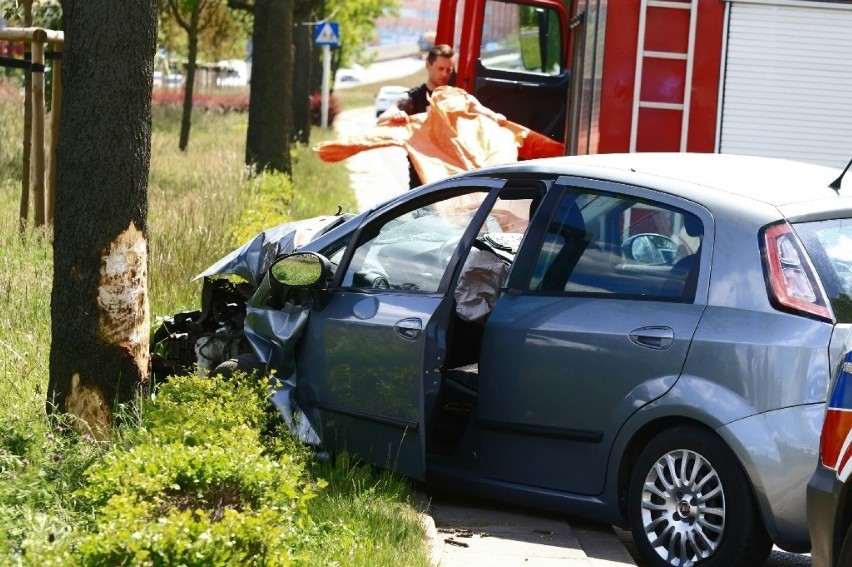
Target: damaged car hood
x=251, y=260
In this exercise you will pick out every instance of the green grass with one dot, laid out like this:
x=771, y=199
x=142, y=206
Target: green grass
x=200, y=207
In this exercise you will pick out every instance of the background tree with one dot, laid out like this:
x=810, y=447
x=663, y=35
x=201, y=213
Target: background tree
x=270, y=120
x=226, y=38
x=99, y=303
x=357, y=27
x=304, y=14
x=195, y=16
x=43, y=13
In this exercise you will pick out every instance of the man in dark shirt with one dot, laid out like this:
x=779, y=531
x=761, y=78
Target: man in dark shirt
x=439, y=69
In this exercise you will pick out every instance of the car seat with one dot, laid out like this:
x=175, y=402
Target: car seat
x=690, y=263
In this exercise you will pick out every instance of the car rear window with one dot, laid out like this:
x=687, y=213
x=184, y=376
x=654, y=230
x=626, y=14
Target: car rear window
x=829, y=244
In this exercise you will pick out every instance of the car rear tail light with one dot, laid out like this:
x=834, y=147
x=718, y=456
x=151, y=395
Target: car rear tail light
x=836, y=441
x=793, y=284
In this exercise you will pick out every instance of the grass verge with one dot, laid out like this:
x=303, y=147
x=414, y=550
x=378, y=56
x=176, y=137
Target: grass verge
x=52, y=478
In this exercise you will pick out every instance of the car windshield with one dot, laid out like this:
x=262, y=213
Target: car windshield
x=829, y=244
x=411, y=251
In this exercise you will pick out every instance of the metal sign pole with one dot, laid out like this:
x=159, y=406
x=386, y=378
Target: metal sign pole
x=327, y=35
x=326, y=79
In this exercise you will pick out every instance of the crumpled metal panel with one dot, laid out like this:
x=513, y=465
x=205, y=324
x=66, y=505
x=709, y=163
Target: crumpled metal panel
x=273, y=334
x=251, y=260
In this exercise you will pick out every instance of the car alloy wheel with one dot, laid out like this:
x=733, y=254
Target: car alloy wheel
x=683, y=508
x=681, y=494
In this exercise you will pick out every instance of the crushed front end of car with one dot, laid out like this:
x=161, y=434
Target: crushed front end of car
x=202, y=339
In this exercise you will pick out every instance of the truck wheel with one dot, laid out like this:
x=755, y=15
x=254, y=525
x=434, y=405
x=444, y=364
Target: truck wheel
x=690, y=503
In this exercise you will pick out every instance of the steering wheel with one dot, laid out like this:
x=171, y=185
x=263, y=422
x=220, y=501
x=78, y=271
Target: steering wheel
x=371, y=276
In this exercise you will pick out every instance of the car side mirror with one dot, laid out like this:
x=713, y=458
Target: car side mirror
x=306, y=270
x=650, y=249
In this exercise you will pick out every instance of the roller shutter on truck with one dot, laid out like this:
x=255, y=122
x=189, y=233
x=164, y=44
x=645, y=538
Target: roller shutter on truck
x=788, y=81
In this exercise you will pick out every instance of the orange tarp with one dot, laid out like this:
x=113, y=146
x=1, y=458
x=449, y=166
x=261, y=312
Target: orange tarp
x=448, y=139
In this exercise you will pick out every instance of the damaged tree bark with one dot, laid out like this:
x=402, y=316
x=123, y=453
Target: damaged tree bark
x=99, y=304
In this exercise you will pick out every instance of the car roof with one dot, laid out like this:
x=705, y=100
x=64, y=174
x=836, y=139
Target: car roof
x=393, y=89
x=773, y=181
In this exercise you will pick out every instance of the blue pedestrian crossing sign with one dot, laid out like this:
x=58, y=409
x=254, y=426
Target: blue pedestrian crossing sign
x=327, y=33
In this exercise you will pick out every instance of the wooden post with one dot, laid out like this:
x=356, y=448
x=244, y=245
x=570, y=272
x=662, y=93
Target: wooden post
x=28, y=128
x=34, y=119
x=37, y=44
x=28, y=116
x=55, y=113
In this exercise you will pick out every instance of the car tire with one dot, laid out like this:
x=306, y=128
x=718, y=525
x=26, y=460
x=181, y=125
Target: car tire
x=690, y=503
x=246, y=363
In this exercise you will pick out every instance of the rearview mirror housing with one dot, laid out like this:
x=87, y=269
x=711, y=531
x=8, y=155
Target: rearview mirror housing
x=301, y=270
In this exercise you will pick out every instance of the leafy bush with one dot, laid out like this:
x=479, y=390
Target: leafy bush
x=194, y=485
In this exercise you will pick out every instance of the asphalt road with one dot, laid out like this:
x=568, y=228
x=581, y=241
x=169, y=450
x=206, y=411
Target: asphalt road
x=379, y=174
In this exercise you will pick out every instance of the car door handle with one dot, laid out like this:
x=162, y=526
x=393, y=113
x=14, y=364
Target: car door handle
x=659, y=338
x=409, y=329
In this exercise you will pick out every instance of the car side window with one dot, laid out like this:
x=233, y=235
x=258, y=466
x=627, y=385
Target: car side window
x=608, y=244
x=412, y=250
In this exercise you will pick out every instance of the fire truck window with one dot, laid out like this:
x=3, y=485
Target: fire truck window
x=521, y=38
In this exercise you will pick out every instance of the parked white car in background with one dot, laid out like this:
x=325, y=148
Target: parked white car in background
x=233, y=73
x=386, y=96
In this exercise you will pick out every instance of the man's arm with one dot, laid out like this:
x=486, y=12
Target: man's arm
x=478, y=108
x=398, y=111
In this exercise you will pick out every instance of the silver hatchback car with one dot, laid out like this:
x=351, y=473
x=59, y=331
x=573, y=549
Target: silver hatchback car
x=641, y=339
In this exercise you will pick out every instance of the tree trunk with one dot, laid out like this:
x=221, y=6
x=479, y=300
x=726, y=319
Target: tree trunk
x=316, y=55
x=99, y=304
x=303, y=53
x=270, y=120
x=189, y=86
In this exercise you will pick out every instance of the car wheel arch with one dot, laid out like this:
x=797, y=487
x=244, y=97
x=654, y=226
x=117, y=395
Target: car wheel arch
x=680, y=405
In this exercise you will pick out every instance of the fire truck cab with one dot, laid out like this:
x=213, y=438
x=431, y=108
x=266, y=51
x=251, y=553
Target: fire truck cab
x=756, y=77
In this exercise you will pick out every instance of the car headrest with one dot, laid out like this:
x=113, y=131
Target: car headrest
x=693, y=225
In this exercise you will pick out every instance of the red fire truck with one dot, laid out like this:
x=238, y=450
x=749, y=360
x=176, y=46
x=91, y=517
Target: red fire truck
x=763, y=77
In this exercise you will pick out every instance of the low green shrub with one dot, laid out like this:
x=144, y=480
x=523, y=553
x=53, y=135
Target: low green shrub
x=191, y=484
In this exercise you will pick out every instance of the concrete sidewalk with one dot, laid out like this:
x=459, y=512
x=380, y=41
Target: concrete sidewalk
x=468, y=532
